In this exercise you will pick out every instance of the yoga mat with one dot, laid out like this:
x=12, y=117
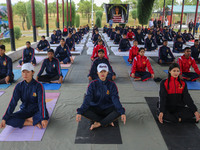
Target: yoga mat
x=102, y=135
x=78, y=51
x=191, y=85
x=177, y=136
x=55, y=86
x=38, y=60
x=126, y=60
x=1, y=93
x=149, y=85
x=54, y=45
x=29, y=133
x=67, y=65
x=156, y=60
x=17, y=75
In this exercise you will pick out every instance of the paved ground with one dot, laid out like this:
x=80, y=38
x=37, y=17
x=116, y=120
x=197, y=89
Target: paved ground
x=140, y=132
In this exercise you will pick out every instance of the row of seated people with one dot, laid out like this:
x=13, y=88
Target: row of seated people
x=152, y=40
x=62, y=52
x=57, y=34
x=167, y=33
x=76, y=35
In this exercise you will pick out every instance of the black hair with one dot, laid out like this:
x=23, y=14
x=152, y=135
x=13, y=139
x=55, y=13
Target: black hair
x=186, y=48
x=2, y=47
x=43, y=36
x=172, y=66
x=100, y=41
x=28, y=42
x=196, y=40
x=51, y=50
x=165, y=41
x=100, y=50
x=62, y=39
x=142, y=48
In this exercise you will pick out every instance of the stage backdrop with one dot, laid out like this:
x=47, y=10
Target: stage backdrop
x=117, y=12
x=4, y=29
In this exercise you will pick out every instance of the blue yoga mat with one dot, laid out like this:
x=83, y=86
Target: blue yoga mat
x=126, y=60
x=191, y=85
x=17, y=75
x=55, y=86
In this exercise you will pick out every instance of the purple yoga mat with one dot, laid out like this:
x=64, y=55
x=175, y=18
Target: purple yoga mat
x=38, y=59
x=1, y=93
x=29, y=133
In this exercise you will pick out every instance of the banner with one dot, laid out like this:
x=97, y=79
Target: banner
x=4, y=29
x=117, y=13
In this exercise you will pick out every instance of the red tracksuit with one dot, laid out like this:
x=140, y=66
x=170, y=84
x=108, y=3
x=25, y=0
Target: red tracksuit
x=130, y=35
x=185, y=65
x=173, y=100
x=133, y=52
x=95, y=51
x=140, y=63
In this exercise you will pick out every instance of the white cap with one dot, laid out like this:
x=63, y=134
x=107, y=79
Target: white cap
x=27, y=66
x=102, y=66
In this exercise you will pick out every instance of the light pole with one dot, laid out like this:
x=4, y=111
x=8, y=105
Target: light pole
x=92, y=13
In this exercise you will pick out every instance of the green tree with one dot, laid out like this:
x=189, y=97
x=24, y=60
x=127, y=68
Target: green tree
x=115, y=2
x=52, y=8
x=20, y=10
x=98, y=22
x=134, y=14
x=99, y=13
x=39, y=13
x=144, y=10
x=17, y=32
x=77, y=20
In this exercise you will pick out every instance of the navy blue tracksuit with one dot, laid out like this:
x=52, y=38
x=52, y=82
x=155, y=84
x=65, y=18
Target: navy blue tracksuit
x=52, y=69
x=6, y=69
x=164, y=51
x=93, y=70
x=28, y=56
x=195, y=52
x=148, y=44
x=76, y=37
x=178, y=47
x=117, y=38
x=168, y=36
x=95, y=37
x=63, y=54
x=139, y=38
x=159, y=39
x=59, y=34
x=43, y=45
x=32, y=96
x=112, y=36
x=70, y=42
x=124, y=45
x=54, y=39
x=101, y=103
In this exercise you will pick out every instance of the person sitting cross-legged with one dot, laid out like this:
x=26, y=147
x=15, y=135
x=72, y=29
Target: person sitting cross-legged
x=33, y=110
x=138, y=70
x=101, y=59
x=175, y=104
x=101, y=104
x=164, y=51
x=51, y=65
x=185, y=62
x=63, y=54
